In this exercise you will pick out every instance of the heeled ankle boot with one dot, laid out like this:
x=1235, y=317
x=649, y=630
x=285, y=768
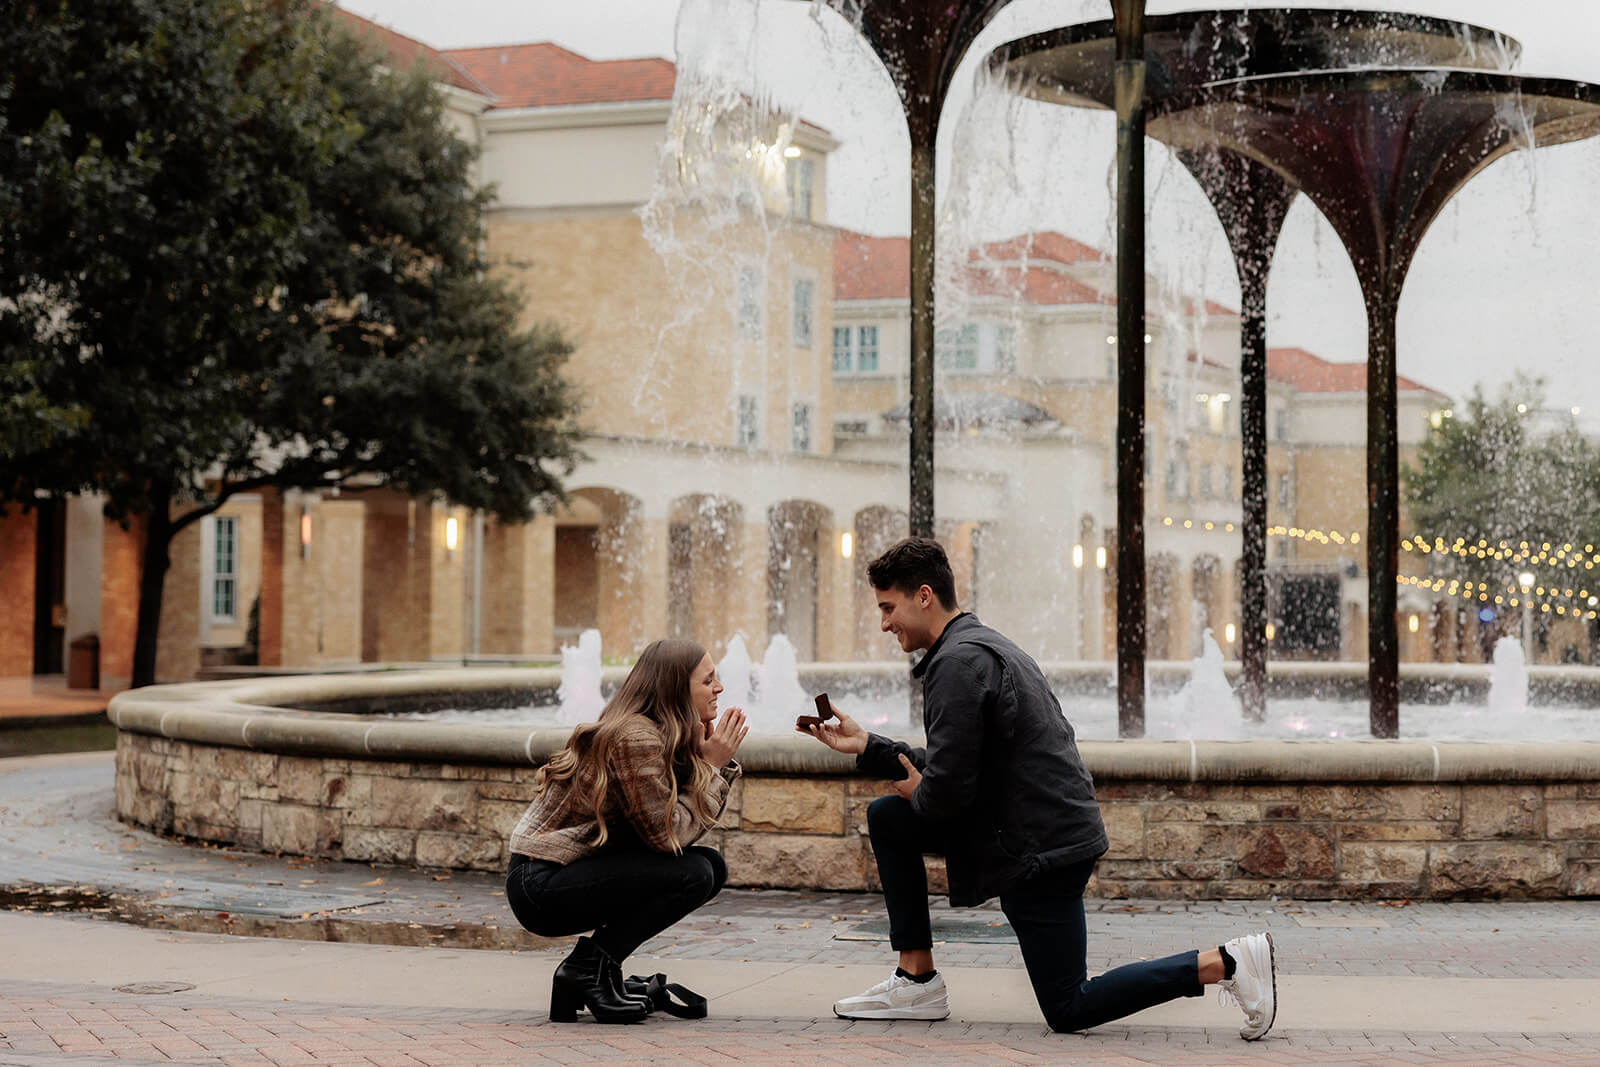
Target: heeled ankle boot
x=620, y=987
x=583, y=980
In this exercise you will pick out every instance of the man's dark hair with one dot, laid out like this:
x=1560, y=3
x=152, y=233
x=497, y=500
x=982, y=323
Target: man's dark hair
x=910, y=564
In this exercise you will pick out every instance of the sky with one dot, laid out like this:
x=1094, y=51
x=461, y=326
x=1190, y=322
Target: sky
x=1504, y=281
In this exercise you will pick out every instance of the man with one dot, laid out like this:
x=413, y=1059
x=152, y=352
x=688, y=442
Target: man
x=1002, y=793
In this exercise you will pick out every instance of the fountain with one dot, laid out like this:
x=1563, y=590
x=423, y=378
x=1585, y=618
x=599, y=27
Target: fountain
x=309, y=765
x=1206, y=706
x=734, y=671
x=1074, y=66
x=1354, y=110
x=579, y=691
x=1508, y=680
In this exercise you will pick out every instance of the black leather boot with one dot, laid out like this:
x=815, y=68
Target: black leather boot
x=619, y=985
x=583, y=980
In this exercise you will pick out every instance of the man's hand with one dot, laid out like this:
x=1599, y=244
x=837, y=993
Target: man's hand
x=841, y=733
x=908, y=785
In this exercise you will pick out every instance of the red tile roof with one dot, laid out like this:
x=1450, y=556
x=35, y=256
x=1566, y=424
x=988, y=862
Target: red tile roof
x=879, y=268
x=547, y=75
x=1308, y=373
x=404, y=52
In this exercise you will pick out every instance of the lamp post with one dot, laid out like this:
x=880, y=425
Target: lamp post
x=1525, y=579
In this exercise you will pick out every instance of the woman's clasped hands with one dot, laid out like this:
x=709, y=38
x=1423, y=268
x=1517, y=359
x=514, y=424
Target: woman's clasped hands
x=724, y=736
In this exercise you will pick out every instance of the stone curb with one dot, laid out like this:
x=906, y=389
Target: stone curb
x=260, y=714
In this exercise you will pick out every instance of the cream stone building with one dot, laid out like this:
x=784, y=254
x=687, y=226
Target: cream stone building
x=742, y=366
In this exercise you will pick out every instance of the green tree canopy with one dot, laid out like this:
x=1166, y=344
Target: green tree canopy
x=238, y=251
x=1498, y=490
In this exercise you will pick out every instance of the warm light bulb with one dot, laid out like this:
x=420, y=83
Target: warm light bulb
x=1272, y=631
x=452, y=533
x=1100, y=557
x=847, y=544
x=1411, y=624
x=1077, y=555
x=305, y=533
x=792, y=152
x=1228, y=633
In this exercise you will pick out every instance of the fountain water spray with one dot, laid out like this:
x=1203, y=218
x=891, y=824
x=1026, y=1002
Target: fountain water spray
x=1508, y=680
x=579, y=692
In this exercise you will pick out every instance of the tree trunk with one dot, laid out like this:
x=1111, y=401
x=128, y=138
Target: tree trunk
x=152, y=583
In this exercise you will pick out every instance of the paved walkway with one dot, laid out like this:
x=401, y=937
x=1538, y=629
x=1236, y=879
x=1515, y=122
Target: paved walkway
x=47, y=696
x=1359, y=983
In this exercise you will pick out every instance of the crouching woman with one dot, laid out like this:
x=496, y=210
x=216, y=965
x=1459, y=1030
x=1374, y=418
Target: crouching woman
x=608, y=843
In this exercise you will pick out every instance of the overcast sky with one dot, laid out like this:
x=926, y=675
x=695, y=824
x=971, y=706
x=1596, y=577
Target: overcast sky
x=1505, y=279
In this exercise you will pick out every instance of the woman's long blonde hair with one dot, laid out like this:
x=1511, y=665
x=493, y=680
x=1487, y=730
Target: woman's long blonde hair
x=656, y=689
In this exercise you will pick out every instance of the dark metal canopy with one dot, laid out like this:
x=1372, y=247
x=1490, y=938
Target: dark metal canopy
x=1075, y=66
x=1380, y=152
x=920, y=44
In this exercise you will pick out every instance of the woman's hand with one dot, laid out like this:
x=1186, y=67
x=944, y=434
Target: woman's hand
x=841, y=733
x=723, y=738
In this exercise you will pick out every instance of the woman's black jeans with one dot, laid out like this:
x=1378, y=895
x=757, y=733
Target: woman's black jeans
x=1046, y=911
x=625, y=895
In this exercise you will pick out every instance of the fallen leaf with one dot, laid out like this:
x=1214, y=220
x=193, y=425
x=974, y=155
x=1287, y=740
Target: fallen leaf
x=375, y=881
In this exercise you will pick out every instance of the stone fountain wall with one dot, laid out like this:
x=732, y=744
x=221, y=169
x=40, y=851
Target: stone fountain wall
x=1190, y=821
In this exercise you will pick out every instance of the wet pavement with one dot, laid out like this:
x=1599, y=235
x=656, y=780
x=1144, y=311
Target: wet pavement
x=368, y=964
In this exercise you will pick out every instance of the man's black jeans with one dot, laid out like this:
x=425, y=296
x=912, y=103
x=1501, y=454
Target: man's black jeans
x=625, y=895
x=1046, y=911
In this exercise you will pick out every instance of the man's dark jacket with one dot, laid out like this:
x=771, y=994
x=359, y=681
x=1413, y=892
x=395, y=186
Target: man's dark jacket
x=1001, y=774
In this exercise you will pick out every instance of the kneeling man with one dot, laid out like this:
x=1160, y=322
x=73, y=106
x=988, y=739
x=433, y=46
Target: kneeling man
x=1002, y=793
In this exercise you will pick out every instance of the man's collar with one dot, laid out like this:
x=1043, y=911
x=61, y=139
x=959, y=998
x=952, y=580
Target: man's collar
x=922, y=664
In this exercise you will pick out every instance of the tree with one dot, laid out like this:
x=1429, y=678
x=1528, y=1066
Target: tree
x=241, y=253
x=1492, y=498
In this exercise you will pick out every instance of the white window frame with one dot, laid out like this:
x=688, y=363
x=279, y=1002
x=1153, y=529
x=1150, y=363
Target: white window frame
x=993, y=348
x=803, y=328
x=803, y=416
x=216, y=574
x=848, y=357
x=747, y=404
x=799, y=180
x=749, y=301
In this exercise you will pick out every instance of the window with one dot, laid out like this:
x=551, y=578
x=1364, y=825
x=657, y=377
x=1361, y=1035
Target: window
x=748, y=290
x=798, y=178
x=225, y=569
x=843, y=359
x=1283, y=490
x=804, y=295
x=802, y=427
x=976, y=347
x=1280, y=425
x=747, y=432
x=956, y=349
x=1205, y=480
x=1227, y=483
x=867, y=349
x=855, y=349
x=1005, y=349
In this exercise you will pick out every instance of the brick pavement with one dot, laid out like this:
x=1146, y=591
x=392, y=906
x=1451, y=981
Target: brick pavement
x=55, y=828
x=42, y=1023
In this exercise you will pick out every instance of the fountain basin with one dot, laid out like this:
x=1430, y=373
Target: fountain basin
x=287, y=764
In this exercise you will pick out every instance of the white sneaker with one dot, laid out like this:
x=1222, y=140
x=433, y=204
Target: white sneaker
x=1254, y=985
x=898, y=997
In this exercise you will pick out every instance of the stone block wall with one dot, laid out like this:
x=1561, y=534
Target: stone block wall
x=1186, y=840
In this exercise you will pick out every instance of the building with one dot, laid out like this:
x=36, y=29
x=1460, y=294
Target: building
x=743, y=366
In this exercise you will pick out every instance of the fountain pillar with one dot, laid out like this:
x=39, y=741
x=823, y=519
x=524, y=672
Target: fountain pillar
x=923, y=217
x=1130, y=77
x=1383, y=513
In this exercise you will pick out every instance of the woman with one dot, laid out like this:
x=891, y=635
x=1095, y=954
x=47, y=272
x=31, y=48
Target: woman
x=608, y=843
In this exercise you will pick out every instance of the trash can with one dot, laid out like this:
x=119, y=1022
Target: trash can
x=83, y=663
